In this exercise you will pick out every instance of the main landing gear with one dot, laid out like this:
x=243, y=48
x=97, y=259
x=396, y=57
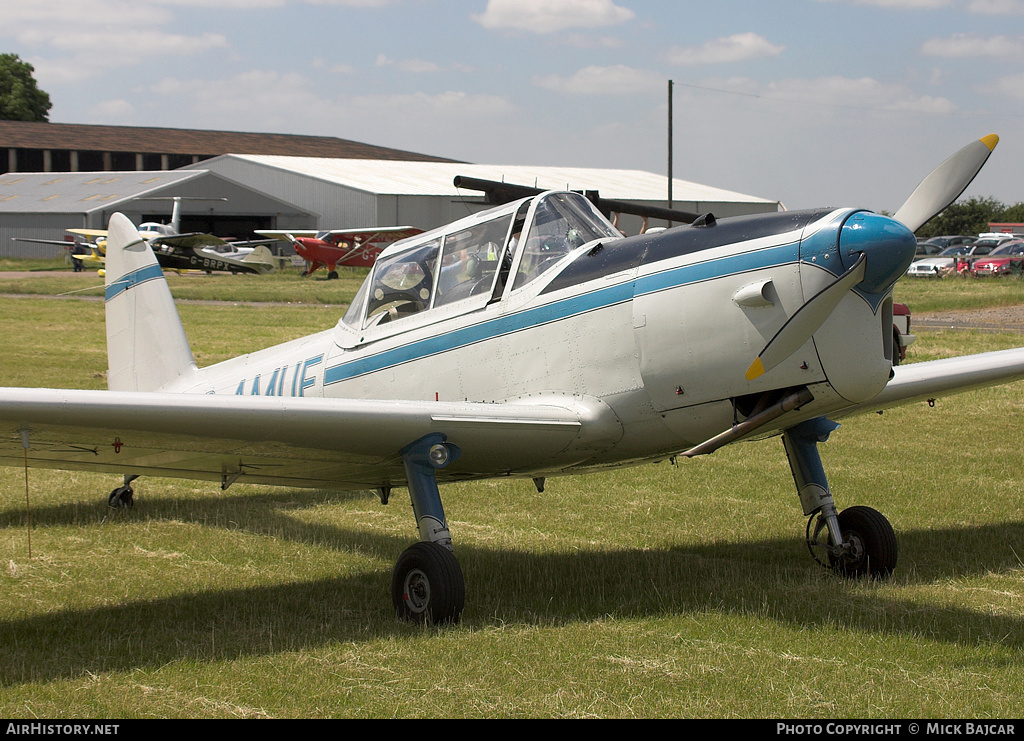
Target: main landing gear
x=123, y=496
x=858, y=541
x=427, y=584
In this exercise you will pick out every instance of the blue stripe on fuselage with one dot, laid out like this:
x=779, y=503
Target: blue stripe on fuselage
x=122, y=284
x=564, y=308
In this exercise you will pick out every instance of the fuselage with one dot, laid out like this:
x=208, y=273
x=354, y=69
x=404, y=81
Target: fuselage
x=657, y=328
x=321, y=252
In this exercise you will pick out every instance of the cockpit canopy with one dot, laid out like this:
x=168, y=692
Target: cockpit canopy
x=476, y=256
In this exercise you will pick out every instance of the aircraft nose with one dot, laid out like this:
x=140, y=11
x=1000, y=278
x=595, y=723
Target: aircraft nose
x=888, y=245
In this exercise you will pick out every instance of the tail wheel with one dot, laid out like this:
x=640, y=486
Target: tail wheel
x=427, y=585
x=122, y=496
x=872, y=544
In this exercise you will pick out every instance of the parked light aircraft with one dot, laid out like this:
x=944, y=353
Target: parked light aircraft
x=354, y=248
x=87, y=252
x=175, y=251
x=529, y=340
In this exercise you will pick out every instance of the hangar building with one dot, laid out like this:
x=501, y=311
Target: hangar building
x=45, y=205
x=359, y=193
x=62, y=176
x=30, y=146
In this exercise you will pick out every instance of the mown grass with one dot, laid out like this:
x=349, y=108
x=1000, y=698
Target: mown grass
x=959, y=292
x=659, y=591
x=282, y=286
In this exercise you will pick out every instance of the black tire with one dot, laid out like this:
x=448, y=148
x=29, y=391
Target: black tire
x=873, y=544
x=123, y=496
x=427, y=585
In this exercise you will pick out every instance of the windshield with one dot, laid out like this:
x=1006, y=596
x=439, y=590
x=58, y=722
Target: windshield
x=470, y=260
x=1010, y=248
x=475, y=256
x=561, y=223
x=403, y=283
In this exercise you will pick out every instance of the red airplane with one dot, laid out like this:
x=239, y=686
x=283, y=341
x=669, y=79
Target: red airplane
x=347, y=247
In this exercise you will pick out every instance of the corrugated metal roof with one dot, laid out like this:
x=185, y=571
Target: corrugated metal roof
x=81, y=192
x=436, y=178
x=40, y=135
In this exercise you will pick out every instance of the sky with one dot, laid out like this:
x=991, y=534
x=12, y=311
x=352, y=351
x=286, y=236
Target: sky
x=807, y=102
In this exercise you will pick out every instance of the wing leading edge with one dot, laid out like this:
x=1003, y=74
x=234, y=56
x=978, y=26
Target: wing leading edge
x=330, y=443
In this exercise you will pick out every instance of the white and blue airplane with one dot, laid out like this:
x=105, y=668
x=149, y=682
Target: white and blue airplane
x=529, y=340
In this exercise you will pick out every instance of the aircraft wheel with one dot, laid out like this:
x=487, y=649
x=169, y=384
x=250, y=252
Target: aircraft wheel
x=427, y=585
x=333, y=275
x=122, y=496
x=873, y=549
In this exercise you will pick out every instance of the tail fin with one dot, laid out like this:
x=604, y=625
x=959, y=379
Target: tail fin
x=147, y=349
x=261, y=258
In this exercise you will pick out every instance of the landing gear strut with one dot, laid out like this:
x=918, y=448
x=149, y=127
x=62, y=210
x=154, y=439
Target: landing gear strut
x=856, y=542
x=427, y=585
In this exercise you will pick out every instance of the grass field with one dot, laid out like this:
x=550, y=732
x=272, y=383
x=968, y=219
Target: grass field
x=659, y=591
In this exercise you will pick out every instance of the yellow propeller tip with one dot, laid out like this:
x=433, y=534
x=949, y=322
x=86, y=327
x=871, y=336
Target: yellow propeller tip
x=990, y=141
x=756, y=369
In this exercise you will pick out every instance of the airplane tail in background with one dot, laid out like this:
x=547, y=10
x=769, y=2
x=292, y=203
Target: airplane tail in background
x=147, y=349
x=261, y=257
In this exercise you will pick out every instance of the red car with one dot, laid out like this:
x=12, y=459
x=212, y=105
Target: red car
x=1005, y=259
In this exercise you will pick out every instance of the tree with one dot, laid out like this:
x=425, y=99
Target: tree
x=964, y=217
x=1014, y=214
x=20, y=97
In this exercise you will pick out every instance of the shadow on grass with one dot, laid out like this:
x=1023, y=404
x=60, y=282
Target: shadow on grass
x=771, y=579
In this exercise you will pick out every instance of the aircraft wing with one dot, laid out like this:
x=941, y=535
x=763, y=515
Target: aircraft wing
x=376, y=234
x=287, y=235
x=242, y=243
x=189, y=241
x=365, y=235
x=57, y=242
x=302, y=442
x=934, y=378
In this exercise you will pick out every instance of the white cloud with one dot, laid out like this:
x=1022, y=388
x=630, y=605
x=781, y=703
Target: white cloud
x=964, y=46
x=22, y=15
x=416, y=66
x=739, y=47
x=898, y=4
x=332, y=67
x=593, y=80
x=997, y=7
x=73, y=40
x=90, y=53
x=549, y=16
x=271, y=98
x=448, y=106
x=1010, y=86
x=113, y=110
x=856, y=93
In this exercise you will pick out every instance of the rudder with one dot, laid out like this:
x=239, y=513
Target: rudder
x=147, y=349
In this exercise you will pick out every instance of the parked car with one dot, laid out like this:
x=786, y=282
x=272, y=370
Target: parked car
x=901, y=337
x=935, y=245
x=938, y=265
x=1006, y=259
x=946, y=262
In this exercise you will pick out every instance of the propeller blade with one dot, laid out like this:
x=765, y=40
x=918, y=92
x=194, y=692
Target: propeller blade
x=945, y=183
x=806, y=321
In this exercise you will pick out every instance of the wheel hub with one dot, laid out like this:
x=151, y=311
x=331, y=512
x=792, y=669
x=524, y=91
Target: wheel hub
x=417, y=591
